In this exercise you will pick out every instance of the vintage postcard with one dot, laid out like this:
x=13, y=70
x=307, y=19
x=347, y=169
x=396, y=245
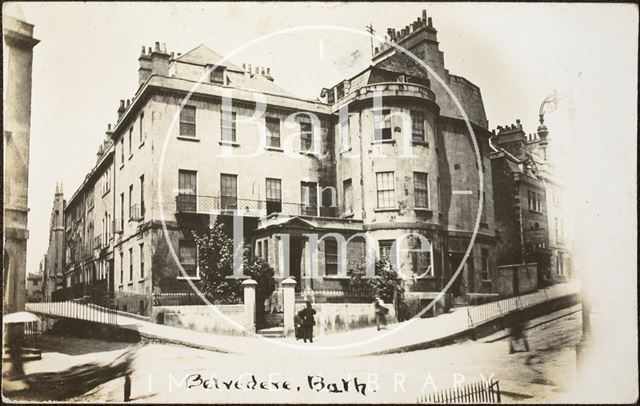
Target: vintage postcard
x=319, y=203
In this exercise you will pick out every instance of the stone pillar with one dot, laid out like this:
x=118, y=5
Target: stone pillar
x=289, y=305
x=249, y=286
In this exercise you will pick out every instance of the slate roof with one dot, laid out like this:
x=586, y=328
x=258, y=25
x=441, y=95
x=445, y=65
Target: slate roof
x=203, y=55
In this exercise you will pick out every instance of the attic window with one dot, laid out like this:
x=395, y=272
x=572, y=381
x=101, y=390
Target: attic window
x=340, y=91
x=217, y=75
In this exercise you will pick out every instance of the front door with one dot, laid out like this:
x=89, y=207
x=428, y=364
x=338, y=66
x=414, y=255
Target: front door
x=295, y=261
x=459, y=285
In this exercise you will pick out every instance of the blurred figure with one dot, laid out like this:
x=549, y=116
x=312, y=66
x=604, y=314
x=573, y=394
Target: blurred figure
x=516, y=333
x=381, y=313
x=15, y=341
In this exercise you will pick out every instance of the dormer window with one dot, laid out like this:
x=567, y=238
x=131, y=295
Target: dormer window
x=340, y=91
x=217, y=75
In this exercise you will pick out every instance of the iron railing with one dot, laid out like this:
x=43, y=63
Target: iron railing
x=81, y=302
x=98, y=242
x=117, y=225
x=489, y=311
x=484, y=391
x=136, y=212
x=186, y=203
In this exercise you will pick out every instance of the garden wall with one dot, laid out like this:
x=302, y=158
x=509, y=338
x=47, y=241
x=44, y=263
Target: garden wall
x=202, y=318
x=336, y=317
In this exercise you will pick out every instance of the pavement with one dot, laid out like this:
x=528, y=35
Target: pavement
x=345, y=344
x=409, y=335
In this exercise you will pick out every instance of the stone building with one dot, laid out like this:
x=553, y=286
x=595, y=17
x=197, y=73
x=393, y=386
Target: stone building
x=54, y=258
x=35, y=286
x=189, y=145
x=529, y=220
x=17, y=64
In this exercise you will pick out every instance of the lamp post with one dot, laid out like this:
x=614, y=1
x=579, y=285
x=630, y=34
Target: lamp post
x=550, y=104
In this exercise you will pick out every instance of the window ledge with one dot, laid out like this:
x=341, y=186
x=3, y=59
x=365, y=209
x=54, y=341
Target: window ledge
x=391, y=141
x=420, y=143
x=383, y=209
x=185, y=278
x=187, y=138
x=337, y=277
x=344, y=151
x=141, y=280
x=229, y=143
x=130, y=283
x=423, y=209
x=348, y=215
x=307, y=153
x=275, y=149
x=535, y=211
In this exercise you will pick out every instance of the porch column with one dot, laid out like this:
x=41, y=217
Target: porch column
x=289, y=305
x=249, y=286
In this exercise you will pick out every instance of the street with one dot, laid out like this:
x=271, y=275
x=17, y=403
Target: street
x=163, y=372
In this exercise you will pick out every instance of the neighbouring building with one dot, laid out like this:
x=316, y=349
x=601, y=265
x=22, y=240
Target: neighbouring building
x=35, y=286
x=310, y=179
x=54, y=258
x=17, y=63
x=528, y=205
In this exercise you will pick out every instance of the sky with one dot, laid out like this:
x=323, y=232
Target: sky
x=516, y=53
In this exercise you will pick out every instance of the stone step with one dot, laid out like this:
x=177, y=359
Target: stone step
x=272, y=332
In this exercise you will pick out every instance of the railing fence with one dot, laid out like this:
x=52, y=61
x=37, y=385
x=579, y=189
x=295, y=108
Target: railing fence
x=477, y=392
x=493, y=310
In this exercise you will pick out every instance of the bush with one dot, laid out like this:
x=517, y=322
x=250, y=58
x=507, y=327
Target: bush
x=385, y=284
x=215, y=259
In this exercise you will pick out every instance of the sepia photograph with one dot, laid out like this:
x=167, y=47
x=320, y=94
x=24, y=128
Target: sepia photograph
x=319, y=202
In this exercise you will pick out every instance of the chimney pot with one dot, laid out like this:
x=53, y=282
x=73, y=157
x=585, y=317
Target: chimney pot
x=108, y=127
x=142, y=53
x=269, y=71
x=149, y=50
x=164, y=48
x=424, y=15
x=376, y=50
x=157, y=46
x=122, y=104
x=430, y=22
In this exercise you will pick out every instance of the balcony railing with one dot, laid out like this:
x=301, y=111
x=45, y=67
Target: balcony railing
x=98, y=242
x=136, y=212
x=117, y=225
x=258, y=208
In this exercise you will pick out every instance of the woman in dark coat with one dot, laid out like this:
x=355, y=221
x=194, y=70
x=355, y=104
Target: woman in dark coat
x=308, y=322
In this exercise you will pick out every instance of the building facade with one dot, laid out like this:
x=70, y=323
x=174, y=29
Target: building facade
x=528, y=204
x=205, y=139
x=17, y=66
x=53, y=265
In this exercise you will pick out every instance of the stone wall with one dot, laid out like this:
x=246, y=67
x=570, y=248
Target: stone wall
x=526, y=280
x=336, y=317
x=202, y=318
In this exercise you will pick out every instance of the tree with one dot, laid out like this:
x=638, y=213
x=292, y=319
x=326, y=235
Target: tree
x=215, y=259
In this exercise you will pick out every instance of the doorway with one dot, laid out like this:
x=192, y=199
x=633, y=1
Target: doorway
x=295, y=261
x=459, y=285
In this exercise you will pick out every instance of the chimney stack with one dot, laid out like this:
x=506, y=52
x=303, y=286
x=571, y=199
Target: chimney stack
x=121, y=109
x=145, y=69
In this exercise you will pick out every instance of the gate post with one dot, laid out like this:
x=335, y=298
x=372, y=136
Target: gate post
x=249, y=286
x=289, y=305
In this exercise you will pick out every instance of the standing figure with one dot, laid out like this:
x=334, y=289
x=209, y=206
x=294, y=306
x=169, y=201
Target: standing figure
x=308, y=322
x=517, y=334
x=381, y=313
